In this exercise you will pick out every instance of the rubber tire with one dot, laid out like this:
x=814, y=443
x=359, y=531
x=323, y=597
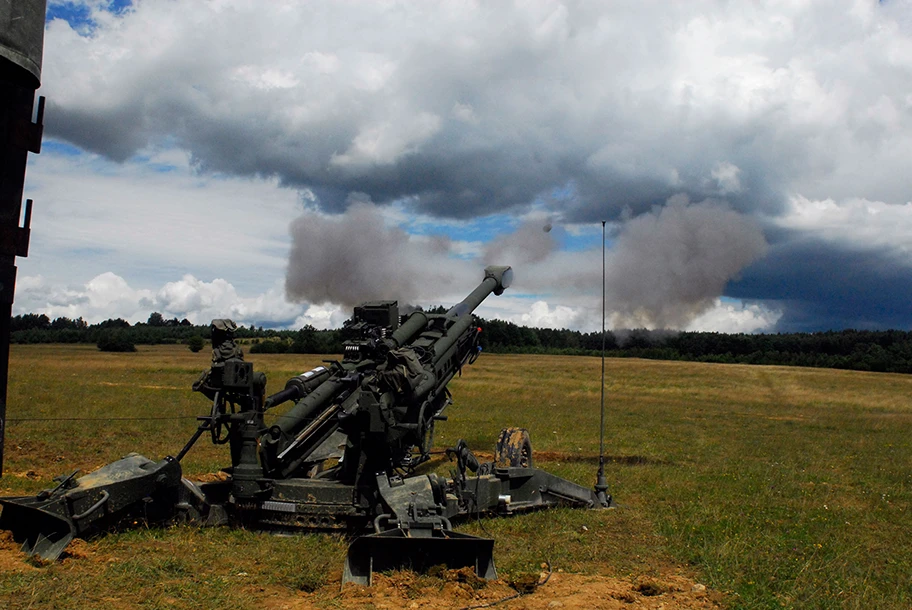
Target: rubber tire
x=514, y=449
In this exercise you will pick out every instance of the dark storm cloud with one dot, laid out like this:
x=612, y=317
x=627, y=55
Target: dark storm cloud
x=488, y=108
x=828, y=287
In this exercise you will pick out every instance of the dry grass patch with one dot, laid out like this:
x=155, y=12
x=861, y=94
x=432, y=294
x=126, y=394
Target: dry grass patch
x=778, y=486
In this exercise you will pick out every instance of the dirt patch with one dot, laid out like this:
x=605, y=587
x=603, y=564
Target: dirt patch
x=560, y=590
x=77, y=549
x=211, y=477
x=12, y=559
x=446, y=590
x=565, y=457
x=31, y=475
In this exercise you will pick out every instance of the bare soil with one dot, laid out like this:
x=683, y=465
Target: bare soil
x=559, y=590
x=447, y=590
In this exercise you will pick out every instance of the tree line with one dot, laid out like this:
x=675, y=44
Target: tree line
x=883, y=351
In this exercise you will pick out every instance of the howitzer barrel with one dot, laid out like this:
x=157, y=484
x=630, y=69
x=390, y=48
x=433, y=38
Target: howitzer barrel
x=298, y=387
x=448, y=355
x=310, y=405
x=447, y=337
x=497, y=279
x=415, y=323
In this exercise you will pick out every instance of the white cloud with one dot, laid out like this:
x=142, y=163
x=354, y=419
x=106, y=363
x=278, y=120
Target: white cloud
x=541, y=315
x=191, y=295
x=152, y=219
x=105, y=296
x=724, y=316
x=484, y=107
x=736, y=317
x=858, y=223
x=797, y=112
x=726, y=177
x=322, y=317
x=109, y=296
x=384, y=144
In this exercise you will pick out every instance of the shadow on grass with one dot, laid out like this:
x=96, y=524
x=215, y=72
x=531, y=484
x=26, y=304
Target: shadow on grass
x=439, y=460
x=586, y=458
x=483, y=449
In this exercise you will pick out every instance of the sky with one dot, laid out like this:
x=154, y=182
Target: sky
x=279, y=162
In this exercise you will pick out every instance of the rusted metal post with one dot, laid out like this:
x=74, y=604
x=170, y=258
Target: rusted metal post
x=21, y=47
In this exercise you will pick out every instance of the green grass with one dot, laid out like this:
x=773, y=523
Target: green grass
x=782, y=487
x=178, y=567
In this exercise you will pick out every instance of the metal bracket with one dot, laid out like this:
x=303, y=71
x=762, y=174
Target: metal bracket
x=15, y=240
x=26, y=134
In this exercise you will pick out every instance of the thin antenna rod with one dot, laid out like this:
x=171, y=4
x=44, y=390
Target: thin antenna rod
x=601, y=484
x=602, y=422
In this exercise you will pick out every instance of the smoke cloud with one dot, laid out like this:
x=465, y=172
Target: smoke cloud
x=528, y=244
x=668, y=266
x=356, y=257
x=664, y=269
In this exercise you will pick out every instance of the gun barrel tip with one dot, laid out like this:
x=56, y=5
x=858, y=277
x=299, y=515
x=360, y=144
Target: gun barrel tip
x=503, y=275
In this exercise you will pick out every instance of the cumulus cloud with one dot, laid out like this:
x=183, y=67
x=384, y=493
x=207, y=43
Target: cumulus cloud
x=190, y=295
x=322, y=317
x=108, y=296
x=736, y=317
x=542, y=315
x=153, y=217
x=487, y=107
x=854, y=223
x=104, y=296
x=796, y=114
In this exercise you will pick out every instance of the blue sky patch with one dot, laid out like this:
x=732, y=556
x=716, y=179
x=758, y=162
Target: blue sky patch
x=76, y=14
x=79, y=14
x=479, y=229
x=148, y=164
x=63, y=149
x=581, y=241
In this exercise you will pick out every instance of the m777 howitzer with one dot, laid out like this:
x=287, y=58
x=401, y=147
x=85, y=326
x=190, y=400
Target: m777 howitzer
x=343, y=457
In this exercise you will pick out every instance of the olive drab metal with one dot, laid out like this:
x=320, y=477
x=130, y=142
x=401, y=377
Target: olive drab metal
x=344, y=456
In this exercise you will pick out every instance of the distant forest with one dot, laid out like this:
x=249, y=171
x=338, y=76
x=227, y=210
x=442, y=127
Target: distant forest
x=883, y=351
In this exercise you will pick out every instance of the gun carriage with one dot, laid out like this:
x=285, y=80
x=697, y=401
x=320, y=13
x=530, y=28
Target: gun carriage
x=344, y=456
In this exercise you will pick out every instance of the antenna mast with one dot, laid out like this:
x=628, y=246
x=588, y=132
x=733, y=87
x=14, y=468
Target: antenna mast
x=601, y=484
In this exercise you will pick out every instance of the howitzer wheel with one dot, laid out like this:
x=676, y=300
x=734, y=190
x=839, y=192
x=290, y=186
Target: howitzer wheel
x=514, y=449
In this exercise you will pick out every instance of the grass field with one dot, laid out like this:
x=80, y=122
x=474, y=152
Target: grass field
x=780, y=487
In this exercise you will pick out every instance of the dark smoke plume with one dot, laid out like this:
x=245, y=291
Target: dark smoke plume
x=664, y=268
x=355, y=257
x=528, y=244
x=668, y=266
